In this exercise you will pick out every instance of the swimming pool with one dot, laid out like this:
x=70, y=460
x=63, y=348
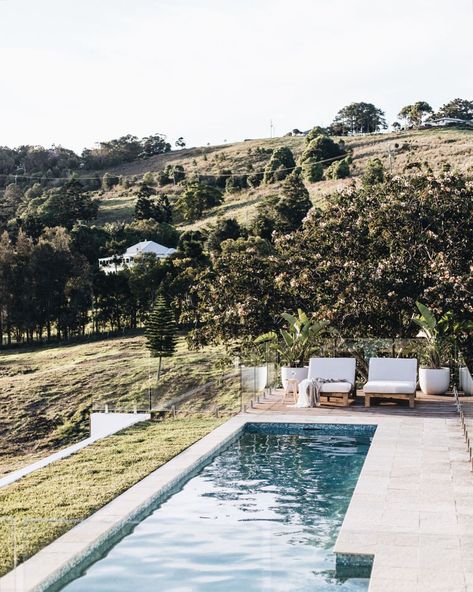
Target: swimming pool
x=263, y=515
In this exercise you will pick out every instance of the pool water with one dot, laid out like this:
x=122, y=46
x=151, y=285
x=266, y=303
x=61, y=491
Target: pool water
x=262, y=516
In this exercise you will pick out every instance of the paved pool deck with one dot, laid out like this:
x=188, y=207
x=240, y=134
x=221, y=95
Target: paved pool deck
x=412, y=508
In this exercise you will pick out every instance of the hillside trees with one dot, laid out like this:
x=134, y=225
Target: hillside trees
x=62, y=206
x=284, y=212
x=161, y=332
x=152, y=206
x=416, y=113
x=196, y=199
x=374, y=172
x=362, y=262
x=457, y=109
x=322, y=148
x=42, y=284
x=9, y=203
x=279, y=165
x=358, y=118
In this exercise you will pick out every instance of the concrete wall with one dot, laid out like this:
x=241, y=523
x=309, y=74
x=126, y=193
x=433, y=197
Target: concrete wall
x=104, y=424
x=101, y=425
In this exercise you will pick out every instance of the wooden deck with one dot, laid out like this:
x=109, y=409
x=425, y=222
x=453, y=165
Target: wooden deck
x=426, y=406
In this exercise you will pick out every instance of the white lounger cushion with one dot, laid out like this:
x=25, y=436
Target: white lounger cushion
x=389, y=386
x=334, y=369
x=336, y=387
x=393, y=369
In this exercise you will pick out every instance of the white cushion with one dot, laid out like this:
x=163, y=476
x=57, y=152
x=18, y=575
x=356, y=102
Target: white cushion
x=336, y=387
x=393, y=369
x=389, y=386
x=333, y=368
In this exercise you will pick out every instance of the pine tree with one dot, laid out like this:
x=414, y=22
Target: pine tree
x=293, y=204
x=161, y=331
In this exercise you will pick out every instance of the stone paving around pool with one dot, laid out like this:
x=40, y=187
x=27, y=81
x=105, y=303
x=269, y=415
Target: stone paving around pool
x=412, y=508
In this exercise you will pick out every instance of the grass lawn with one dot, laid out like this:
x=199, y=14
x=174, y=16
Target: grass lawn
x=46, y=393
x=73, y=488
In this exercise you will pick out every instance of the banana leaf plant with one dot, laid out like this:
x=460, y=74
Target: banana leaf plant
x=442, y=335
x=294, y=342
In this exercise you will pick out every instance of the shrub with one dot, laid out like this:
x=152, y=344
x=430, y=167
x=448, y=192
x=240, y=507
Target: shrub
x=280, y=165
x=313, y=171
x=255, y=179
x=315, y=132
x=322, y=148
x=338, y=170
x=109, y=181
x=374, y=172
x=196, y=199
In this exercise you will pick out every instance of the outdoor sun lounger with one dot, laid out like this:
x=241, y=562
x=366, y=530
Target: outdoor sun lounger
x=391, y=378
x=340, y=376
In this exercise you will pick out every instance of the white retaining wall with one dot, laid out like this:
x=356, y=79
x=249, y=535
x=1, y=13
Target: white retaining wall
x=101, y=425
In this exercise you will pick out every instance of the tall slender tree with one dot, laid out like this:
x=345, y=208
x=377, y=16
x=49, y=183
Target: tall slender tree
x=161, y=332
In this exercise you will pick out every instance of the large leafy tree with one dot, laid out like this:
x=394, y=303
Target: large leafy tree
x=458, y=109
x=359, y=118
x=362, y=262
x=374, y=251
x=416, y=113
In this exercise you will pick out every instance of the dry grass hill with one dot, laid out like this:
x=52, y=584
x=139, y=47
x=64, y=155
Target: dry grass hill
x=435, y=147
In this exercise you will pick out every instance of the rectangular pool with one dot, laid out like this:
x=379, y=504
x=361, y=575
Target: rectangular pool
x=263, y=515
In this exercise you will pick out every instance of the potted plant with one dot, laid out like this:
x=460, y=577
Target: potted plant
x=434, y=375
x=293, y=344
x=254, y=367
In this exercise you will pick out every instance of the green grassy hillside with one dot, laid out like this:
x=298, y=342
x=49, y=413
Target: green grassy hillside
x=47, y=393
x=436, y=147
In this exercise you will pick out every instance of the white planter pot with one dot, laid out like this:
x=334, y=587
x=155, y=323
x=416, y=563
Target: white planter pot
x=254, y=378
x=298, y=373
x=434, y=381
x=466, y=381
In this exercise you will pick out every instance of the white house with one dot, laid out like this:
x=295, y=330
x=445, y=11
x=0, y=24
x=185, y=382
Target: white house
x=118, y=262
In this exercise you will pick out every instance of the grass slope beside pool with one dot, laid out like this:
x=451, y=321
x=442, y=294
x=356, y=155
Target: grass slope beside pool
x=46, y=393
x=49, y=502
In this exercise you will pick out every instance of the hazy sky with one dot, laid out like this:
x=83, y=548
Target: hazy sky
x=75, y=72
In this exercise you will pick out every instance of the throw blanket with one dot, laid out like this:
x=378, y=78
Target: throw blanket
x=309, y=391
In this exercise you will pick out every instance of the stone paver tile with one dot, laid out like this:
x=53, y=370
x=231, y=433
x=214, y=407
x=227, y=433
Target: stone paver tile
x=443, y=580
x=395, y=574
x=397, y=556
x=400, y=521
x=436, y=557
x=400, y=539
x=389, y=585
x=438, y=522
x=446, y=541
x=465, y=523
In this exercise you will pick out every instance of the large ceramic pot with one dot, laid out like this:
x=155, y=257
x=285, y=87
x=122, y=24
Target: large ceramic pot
x=254, y=378
x=434, y=381
x=466, y=381
x=298, y=373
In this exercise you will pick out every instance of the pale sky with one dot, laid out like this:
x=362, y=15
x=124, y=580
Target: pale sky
x=76, y=72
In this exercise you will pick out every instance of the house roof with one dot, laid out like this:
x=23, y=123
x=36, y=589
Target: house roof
x=149, y=247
